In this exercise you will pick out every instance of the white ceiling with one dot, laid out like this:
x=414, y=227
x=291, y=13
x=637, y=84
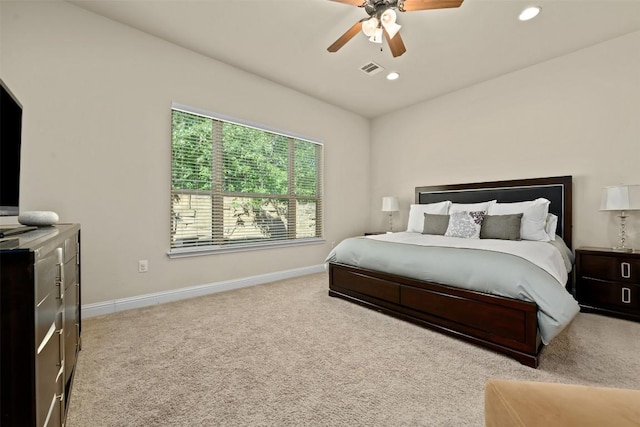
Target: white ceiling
x=285, y=41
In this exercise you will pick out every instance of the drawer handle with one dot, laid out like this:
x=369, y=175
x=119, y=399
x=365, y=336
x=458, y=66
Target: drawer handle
x=60, y=255
x=625, y=270
x=626, y=295
x=61, y=371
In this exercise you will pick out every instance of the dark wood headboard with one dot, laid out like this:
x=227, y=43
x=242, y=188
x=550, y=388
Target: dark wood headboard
x=558, y=190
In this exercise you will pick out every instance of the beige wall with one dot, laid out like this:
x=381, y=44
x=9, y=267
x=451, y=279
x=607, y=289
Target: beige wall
x=577, y=115
x=96, y=137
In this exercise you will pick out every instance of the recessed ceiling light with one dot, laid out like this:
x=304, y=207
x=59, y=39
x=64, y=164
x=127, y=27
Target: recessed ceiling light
x=529, y=13
x=392, y=76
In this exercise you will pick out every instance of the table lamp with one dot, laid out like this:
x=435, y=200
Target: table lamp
x=621, y=198
x=390, y=204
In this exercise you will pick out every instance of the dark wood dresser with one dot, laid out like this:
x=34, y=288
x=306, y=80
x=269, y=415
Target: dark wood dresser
x=40, y=329
x=608, y=282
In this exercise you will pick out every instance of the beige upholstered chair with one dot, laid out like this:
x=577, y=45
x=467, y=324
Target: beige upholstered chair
x=524, y=403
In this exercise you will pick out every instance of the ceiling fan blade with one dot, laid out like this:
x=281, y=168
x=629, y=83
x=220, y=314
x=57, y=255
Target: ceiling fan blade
x=396, y=45
x=351, y=2
x=343, y=39
x=412, y=5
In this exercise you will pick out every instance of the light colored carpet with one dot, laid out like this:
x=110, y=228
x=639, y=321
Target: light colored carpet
x=287, y=354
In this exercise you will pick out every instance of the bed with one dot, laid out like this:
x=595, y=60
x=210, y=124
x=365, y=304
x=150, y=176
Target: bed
x=515, y=325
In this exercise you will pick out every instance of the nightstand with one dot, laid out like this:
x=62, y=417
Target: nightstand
x=374, y=233
x=608, y=282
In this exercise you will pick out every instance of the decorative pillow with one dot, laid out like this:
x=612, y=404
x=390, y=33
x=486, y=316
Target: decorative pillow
x=435, y=224
x=416, y=214
x=471, y=207
x=504, y=227
x=534, y=217
x=465, y=224
x=551, y=226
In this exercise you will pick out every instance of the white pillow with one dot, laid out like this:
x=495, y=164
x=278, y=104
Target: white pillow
x=551, y=226
x=465, y=224
x=534, y=217
x=416, y=214
x=471, y=207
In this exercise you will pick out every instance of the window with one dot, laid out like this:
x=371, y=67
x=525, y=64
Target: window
x=235, y=186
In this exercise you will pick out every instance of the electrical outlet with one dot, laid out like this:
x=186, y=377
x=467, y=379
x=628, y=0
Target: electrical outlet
x=143, y=266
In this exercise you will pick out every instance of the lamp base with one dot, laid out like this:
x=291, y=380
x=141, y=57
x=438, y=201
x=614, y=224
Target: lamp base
x=622, y=247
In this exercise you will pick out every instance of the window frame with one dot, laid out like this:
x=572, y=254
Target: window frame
x=218, y=195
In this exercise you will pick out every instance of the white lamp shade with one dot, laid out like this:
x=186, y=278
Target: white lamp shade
x=369, y=26
x=388, y=20
x=390, y=204
x=620, y=198
x=392, y=29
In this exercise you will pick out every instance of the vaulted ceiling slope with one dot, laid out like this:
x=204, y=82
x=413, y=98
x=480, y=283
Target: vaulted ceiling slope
x=286, y=41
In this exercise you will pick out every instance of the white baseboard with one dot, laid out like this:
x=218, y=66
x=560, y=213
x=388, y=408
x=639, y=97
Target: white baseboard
x=114, y=306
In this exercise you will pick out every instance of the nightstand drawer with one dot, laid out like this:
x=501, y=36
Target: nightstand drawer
x=614, y=268
x=614, y=296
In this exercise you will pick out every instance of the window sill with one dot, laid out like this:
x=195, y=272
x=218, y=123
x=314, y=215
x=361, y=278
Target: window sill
x=212, y=250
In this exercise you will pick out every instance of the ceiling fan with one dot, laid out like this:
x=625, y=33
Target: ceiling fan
x=382, y=20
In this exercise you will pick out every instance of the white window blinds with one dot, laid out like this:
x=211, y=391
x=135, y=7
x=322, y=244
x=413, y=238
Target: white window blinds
x=234, y=185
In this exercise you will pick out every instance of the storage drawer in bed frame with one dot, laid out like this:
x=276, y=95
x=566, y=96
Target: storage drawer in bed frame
x=502, y=324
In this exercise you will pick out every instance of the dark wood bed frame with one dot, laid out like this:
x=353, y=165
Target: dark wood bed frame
x=505, y=325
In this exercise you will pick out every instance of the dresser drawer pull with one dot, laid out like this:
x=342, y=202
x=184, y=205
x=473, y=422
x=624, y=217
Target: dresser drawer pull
x=625, y=270
x=626, y=295
x=60, y=371
x=60, y=255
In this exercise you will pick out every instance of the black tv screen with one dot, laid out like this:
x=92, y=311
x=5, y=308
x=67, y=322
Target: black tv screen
x=10, y=143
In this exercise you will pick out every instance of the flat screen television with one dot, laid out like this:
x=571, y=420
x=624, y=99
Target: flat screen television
x=10, y=145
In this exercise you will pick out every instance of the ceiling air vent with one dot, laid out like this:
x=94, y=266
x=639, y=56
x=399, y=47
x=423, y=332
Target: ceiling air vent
x=371, y=68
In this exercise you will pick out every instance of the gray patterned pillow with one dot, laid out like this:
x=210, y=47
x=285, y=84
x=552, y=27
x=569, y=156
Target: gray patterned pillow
x=505, y=227
x=435, y=224
x=465, y=224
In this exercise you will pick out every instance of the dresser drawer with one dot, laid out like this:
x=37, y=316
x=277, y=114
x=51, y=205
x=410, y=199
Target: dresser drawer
x=48, y=313
x=611, y=295
x=70, y=248
x=47, y=274
x=70, y=274
x=614, y=268
x=49, y=381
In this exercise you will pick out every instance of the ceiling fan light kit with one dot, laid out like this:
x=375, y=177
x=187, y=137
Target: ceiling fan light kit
x=382, y=20
x=377, y=36
x=369, y=26
x=388, y=19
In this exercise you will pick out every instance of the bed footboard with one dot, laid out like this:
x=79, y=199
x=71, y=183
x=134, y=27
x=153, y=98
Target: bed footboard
x=501, y=324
